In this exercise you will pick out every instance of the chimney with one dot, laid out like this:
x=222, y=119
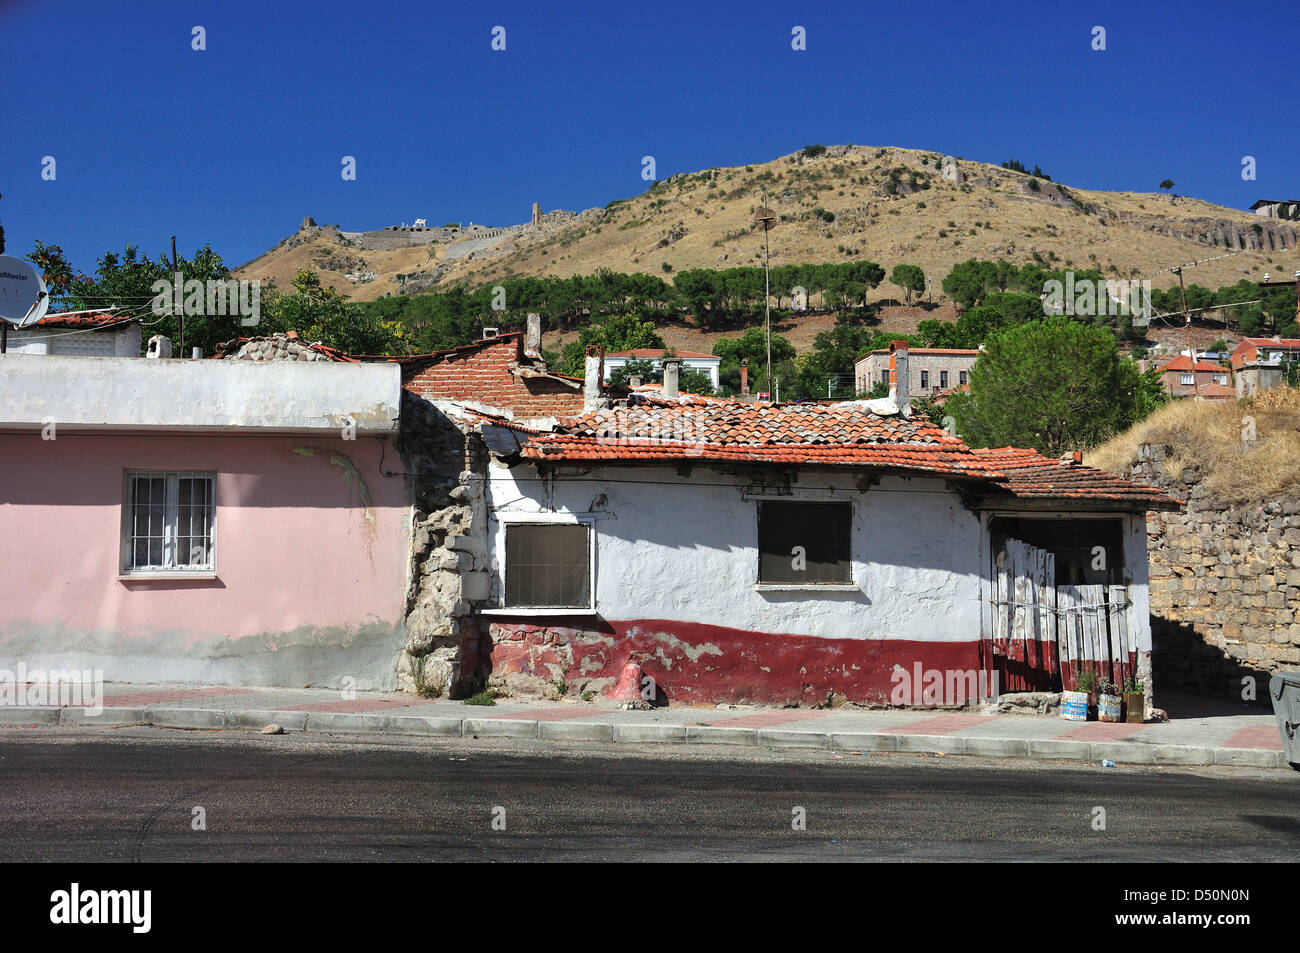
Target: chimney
x=1078, y=457
x=533, y=337
x=899, y=385
x=160, y=346
x=595, y=373
x=633, y=382
x=744, y=378
x=671, y=366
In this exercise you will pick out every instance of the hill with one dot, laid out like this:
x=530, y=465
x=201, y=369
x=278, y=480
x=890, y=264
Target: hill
x=843, y=203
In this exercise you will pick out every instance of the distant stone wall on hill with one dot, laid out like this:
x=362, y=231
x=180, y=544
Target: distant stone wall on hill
x=1225, y=585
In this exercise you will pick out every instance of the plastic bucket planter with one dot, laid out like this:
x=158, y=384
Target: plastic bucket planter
x=1108, y=707
x=1074, y=706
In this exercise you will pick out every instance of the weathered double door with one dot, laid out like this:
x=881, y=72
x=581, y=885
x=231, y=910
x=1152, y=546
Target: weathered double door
x=1041, y=634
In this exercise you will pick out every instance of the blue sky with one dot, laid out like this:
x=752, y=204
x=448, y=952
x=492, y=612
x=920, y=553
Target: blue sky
x=234, y=145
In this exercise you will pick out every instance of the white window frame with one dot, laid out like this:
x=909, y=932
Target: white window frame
x=170, y=570
x=1187, y=380
x=504, y=523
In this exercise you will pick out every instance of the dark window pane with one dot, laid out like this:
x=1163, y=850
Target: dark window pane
x=548, y=566
x=821, y=530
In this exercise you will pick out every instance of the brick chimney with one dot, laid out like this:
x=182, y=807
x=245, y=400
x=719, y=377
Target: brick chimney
x=533, y=336
x=671, y=367
x=899, y=380
x=595, y=373
x=744, y=378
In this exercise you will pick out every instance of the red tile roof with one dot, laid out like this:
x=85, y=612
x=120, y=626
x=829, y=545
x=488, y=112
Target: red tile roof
x=82, y=321
x=495, y=373
x=1184, y=363
x=843, y=434
x=1029, y=474
x=1212, y=391
x=702, y=429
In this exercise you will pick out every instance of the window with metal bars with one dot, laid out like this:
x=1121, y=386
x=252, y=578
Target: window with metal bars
x=169, y=522
x=548, y=566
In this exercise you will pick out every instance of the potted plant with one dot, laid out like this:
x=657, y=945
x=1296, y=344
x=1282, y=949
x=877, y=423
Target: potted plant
x=1135, y=700
x=1108, y=701
x=1074, y=704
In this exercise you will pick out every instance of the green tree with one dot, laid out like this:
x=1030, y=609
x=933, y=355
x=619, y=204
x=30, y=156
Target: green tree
x=1053, y=385
x=693, y=381
x=1167, y=184
x=130, y=283
x=647, y=371
x=320, y=314
x=751, y=346
x=910, y=278
x=969, y=281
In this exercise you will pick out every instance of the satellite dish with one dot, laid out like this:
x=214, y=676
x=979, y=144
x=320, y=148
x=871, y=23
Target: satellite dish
x=23, y=298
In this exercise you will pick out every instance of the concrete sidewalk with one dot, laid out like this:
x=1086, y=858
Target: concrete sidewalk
x=1199, y=732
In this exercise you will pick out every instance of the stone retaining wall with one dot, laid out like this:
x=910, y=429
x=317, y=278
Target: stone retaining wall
x=1225, y=585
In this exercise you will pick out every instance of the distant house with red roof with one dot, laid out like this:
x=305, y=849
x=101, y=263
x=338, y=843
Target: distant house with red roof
x=1184, y=377
x=693, y=360
x=932, y=369
x=1272, y=350
x=79, y=335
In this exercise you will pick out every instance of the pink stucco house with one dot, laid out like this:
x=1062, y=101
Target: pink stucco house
x=203, y=521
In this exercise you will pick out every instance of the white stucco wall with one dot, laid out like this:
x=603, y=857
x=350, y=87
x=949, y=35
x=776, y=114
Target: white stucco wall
x=686, y=549
x=205, y=395
x=705, y=365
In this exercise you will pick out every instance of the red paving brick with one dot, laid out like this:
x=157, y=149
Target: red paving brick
x=136, y=699
x=940, y=725
x=359, y=705
x=1256, y=736
x=770, y=719
x=1102, y=731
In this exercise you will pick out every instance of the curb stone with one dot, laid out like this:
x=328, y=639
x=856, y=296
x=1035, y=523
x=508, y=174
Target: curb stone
x=433, y=726
x=187, y=718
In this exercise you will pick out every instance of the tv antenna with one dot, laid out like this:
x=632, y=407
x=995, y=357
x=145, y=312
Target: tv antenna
x=765, y=218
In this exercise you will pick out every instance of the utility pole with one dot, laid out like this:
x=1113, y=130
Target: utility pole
x=178, y=293
x=1191, y=352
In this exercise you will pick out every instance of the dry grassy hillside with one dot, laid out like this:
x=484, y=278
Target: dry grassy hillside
x=1209, y=435
x=885, y=204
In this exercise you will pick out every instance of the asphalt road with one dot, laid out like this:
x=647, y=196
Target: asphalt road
x=131, y=794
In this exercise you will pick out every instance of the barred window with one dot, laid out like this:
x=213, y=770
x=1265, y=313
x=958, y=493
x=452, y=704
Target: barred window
x=169, y=521
x=548, y=566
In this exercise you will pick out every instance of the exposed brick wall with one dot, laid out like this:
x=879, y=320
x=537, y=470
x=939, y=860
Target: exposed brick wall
x=486, y=373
